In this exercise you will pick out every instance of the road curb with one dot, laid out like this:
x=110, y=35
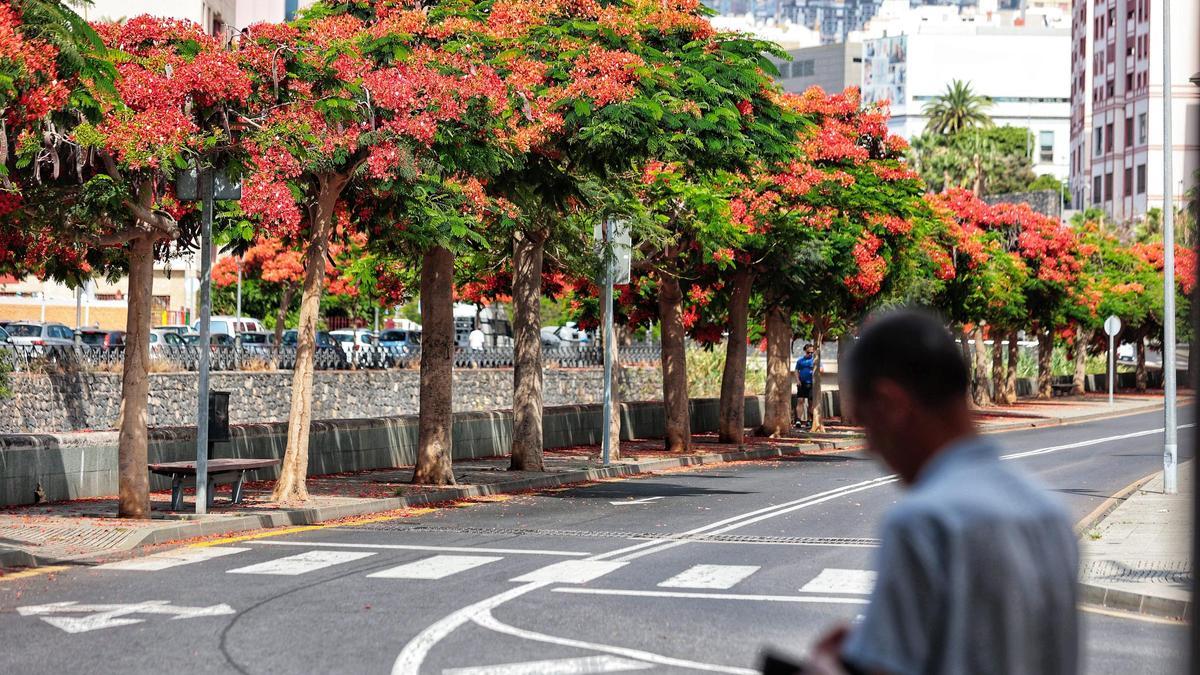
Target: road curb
x=1109, y=505
x=1093, y=595
x=319, y=515
x=1044, y=422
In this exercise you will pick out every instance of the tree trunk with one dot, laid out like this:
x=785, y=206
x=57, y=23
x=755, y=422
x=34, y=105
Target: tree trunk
x=292, y=474
x=285, y=304
x=1014, y=357
x=815, y=407
x=1079, y=380
x=982, y=396
x=527, y=352
x=732, y=423
x=436, y=417
x=1045, y=338
x=998, y=390
x=1142, y=378
x=133, y=436
x=674, y=365
x=777, y=416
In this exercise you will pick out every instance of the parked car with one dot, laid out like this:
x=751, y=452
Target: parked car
x=329, y=350
x=177, y=328
x=165, y=336
x=4, y=339
x=258, y=343
x=39, y=334
x=96, y=337
x=399, y=341
x=217, y=339
x=354, y=339
x=229, y=325
x=567, y=335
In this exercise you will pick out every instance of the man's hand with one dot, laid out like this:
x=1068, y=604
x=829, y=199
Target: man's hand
x=826, y=657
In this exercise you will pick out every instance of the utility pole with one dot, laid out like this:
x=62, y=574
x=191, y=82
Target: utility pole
x=206, y=220
x=1170, y=433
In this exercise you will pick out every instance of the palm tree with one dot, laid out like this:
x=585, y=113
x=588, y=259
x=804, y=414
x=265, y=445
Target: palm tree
x=957, y=109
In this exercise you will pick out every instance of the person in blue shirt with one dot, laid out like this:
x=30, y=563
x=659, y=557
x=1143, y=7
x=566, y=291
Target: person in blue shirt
x=804, y=374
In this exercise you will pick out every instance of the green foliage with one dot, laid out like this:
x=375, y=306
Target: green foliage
x=706, y=366
x=1049, y=182
x=949, y=160
x=957, y=109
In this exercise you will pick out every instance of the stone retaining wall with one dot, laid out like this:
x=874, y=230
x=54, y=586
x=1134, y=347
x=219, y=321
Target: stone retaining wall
x=82, y=401
x=81, y=465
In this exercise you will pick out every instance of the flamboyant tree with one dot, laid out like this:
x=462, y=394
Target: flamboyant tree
x=96, y=168
x=854, y=214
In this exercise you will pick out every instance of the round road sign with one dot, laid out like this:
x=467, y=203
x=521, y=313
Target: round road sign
x=1112, y=325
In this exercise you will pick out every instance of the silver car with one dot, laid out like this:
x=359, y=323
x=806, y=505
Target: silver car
x=40, y=334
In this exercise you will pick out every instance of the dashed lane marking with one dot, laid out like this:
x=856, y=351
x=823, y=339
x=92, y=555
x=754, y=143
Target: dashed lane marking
x=833, y=580
x=576, y=666
x=571, y=572
x=710, y=576
x=174, y=558
x=436, y=567
x=818, y=599
x=421, y=547
x=301, y=563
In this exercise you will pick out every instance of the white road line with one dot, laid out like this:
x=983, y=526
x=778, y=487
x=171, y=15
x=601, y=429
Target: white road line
x=416, y=547
x=1084, y=444
x=436, y=567
x=833, y=580
x=486, y=620
x=302, y=563
x=582, y=665
x=710, y=576
x=571, y=572
x=409, y=661
x=175, y=558
x=817, y=599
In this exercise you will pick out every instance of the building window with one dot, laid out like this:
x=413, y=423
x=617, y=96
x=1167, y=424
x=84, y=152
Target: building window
x=1110, y=89
x=1128, y=132
x=803, y=68
x=1128, y=181
x=1108, y=137
x=1099, y=142
x=1046, y=146
x=1141, y=179
x=1108, y=187
x=1128, y=82
x=1142, y=132
x=1097, y=196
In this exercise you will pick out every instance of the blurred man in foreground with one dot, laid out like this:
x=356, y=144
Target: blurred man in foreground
x=977, y=567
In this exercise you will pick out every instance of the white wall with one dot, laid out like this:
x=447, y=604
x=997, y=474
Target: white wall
x=1027, y=72
x=197, y=11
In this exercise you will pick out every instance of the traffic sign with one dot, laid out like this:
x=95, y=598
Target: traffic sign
x=622, y=247
x=1112, y=325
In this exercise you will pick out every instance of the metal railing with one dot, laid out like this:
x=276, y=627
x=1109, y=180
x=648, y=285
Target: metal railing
x=183, y=358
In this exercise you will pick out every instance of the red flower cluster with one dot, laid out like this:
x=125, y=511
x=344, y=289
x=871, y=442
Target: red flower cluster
x=867, y=281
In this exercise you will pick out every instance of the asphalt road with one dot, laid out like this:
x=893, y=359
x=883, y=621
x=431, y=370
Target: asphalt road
x=612, y=577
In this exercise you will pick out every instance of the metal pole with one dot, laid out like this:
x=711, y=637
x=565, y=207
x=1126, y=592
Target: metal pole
x=206, y=194
x=239, y=290
x=1112, y=367
x=1170, y=443
x=606, y=441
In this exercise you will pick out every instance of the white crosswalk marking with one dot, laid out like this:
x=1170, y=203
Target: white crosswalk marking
x=833, y=580
x=301, y=563
x=710, y=576
x=571, y=571
x=175, y=558
x=436, y=567
x=572, y=666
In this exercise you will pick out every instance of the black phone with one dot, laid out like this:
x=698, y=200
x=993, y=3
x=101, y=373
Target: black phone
x=775, y=664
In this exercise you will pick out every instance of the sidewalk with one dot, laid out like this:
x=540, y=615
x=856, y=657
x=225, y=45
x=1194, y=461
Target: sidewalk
x=1139, y=557
x=83, y=531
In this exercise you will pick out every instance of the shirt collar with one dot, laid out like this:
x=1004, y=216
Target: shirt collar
x=964, y=450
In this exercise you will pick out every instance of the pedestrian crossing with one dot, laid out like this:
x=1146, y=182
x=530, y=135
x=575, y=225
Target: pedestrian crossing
x=697, y=577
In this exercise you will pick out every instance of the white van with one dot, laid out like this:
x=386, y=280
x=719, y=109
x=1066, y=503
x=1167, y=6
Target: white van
x=230, y=325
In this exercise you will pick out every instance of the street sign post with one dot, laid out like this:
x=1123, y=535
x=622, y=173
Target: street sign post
x=1170, y=442
x=615, y=244
x=205, y=185
x=1112, y=326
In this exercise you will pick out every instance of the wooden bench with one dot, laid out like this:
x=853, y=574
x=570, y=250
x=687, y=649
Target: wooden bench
x=1063, y=389
x=220, y=472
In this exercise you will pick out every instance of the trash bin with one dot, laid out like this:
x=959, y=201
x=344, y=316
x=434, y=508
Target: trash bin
x=218, y=418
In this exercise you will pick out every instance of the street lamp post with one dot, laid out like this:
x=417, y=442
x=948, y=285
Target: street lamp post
x=1170, y=433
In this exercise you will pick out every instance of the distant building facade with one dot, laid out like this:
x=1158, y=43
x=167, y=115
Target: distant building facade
x=217, y=17
x=1117, y=107
x=830, y=67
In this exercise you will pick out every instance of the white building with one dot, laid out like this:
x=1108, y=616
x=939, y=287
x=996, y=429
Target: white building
x=1119, y=140
x=216, y=16
x=831, y=67
x=1024, y=69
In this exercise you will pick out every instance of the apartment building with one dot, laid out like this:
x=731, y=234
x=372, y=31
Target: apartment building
x=1117, y=127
